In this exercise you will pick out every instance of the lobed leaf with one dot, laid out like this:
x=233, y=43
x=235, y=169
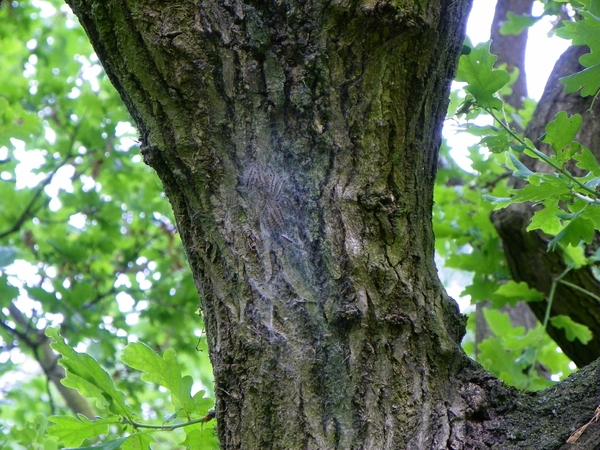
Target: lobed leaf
x=73, y=431
x=164, y=371
x=561, y=132
x=546, y=219
x=545, y=187
x=584, y=32
x=110, y=445
x=520, y=291
x=483, y=81
x=201, y=439
x=516, y=23
x=572, y=329
x=578, y=229
x=85, y=374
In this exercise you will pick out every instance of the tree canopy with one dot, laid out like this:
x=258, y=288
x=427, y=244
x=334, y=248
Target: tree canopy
x=92, y=265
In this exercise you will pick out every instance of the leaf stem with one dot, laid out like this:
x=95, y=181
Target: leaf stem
x=208, y=417
x=580, y=289
x=162, y=427
x=541, y=155
x=555, y=281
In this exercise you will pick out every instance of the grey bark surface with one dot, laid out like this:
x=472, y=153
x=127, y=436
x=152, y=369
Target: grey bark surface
x=527, y=255
x=297, y=143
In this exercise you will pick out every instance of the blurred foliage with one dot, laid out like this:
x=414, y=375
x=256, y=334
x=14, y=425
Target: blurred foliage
x=87, y=238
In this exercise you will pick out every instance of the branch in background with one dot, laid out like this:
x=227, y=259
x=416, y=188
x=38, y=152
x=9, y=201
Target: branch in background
x=39, y=344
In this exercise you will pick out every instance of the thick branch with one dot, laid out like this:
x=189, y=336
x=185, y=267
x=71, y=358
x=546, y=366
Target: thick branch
x=507, y=420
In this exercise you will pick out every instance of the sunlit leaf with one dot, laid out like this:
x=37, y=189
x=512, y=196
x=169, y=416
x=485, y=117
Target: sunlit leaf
x=483, y=81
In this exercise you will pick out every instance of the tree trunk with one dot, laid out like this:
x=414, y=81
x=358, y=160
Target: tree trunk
x=297, y=142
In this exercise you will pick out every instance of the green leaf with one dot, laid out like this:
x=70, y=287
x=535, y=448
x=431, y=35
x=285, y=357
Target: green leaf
x=519, y=148
x=110, y=445
x=541, y=187
x=138, y=441
x=478, y=130
x=483, y=81
x=519, y=291
x=584, y=32
x=561, y=132
x=39, y=293
x=587, y=161
x=480, y=290
x=201, y=439
x=572, y=329
x=522, y=171
x=7, y=291
x=164, y=371
x=546, y=219
x=592, y=212
x=588, y=80
x=73, y=431
x=517, y=23
x=574, y=256
x=495, y=144
x=573, y=233
x=85, y=374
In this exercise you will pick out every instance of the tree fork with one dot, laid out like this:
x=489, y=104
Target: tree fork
x=297, y=143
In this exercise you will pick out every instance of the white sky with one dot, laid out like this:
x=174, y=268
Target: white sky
x=542, y=51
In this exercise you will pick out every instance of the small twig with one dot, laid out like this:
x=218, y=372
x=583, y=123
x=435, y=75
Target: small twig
x=580, y=289
x=555, y=281
x=207, y=418
x=541, y=155
x=577, y=433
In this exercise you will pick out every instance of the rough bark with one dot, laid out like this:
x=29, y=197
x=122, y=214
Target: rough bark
x=527, y=254
x=297, y=143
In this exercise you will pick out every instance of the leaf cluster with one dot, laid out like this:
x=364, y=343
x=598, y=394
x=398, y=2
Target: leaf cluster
x=566, y=204
x=85, y=374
